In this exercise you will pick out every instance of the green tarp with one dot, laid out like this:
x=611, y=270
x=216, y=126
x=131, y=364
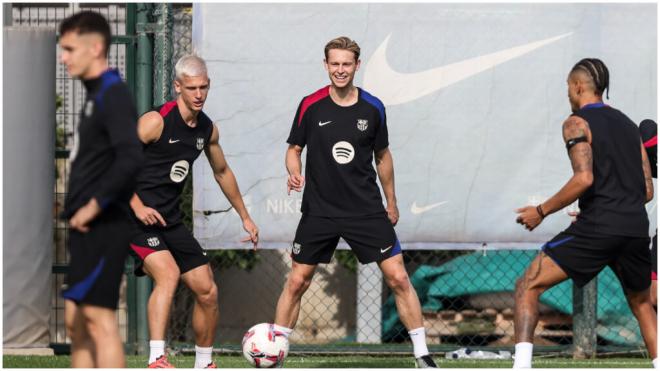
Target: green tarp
x=497, y=271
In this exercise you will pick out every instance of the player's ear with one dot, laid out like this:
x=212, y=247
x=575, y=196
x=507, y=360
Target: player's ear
x=177, y=86
x=98, y=46
x=357, y=64
x=579, y=87
x=325, y=64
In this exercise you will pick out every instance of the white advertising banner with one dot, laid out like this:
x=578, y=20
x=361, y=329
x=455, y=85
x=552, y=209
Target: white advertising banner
x=475, y=97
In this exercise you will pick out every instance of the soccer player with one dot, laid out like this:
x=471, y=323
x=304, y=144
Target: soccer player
x=106, y=157
x=344, y=128
x=174, y=135
x=649, y=132
x=612, y=180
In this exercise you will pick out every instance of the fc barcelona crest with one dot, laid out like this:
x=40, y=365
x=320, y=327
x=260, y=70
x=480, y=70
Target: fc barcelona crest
x=362, y=125
x=200, y=143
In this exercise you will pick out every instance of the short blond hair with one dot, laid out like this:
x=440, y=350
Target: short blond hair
x=190, y=65
x=344, y=43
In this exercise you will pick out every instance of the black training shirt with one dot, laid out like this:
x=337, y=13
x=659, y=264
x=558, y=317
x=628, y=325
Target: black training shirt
x=169, y=159
x=340, y=180
x=107, y=153
x=614, y=204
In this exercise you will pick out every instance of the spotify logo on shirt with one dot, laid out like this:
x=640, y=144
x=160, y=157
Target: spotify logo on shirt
x=343, y=152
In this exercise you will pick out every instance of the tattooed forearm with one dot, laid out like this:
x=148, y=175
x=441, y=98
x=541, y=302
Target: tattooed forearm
x=648, y=176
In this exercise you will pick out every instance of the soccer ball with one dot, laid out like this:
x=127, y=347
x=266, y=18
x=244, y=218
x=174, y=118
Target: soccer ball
x=265, y=347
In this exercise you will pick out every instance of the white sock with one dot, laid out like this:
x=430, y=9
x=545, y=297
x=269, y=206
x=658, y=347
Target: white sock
x=418, y=337
x=523, y=357
x=656, y=363
x=156, y=349
x=203, y=356
x=285, y=330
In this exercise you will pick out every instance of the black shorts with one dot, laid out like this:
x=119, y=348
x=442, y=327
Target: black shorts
x=372, y=238
x=654, y=257
x=185, y=249
x=97, y=259
x=582, y=258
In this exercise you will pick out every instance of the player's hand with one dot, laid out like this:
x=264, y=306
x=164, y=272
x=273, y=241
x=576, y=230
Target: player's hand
x=295, y=182
x=573, y=215
x=529, y=217
x=392, y=213
x=149, y=216
x=84, y=216
x=252, y=229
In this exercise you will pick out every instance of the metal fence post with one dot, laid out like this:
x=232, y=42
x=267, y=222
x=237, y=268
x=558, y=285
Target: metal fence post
x=369, y=294
x=163, y=53
x=144, y=76
x=585, y=320
x=131, y=280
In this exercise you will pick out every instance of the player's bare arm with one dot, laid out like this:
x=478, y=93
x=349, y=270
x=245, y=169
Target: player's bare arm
x=385, y=169
x=227, y=182
x=150, y=127
x=293, y=162
x=577, y=137
x=648, y=175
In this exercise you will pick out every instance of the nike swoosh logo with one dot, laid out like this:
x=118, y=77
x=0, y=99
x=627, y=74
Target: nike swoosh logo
x=174, y=141
x=324, y=123
x=396, y=88
x=384, y=250
x=422, y=209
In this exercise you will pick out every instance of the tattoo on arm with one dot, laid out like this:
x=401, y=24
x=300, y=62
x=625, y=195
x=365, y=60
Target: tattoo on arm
x=581, y=158
x=574, y=127
x=648, y=177
x=580, y=154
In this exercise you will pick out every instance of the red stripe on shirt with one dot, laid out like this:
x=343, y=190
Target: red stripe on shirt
x=311, y=99
x=166, y=108
x=651, y=142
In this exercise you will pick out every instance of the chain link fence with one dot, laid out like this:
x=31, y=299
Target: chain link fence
x=467, y=300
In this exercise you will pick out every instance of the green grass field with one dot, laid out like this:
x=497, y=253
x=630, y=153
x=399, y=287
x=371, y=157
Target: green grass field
x=224, y=361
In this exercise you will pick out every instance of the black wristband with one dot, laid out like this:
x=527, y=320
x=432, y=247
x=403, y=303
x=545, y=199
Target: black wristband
x=540, y=211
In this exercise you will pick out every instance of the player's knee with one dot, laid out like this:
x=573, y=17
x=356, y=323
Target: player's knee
x=162, y=268
x=399, y=282
x=168, y=278
x=208, y=295
x=77, y=333
x=524, y=287
x=100, y=328
x=298, y=284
